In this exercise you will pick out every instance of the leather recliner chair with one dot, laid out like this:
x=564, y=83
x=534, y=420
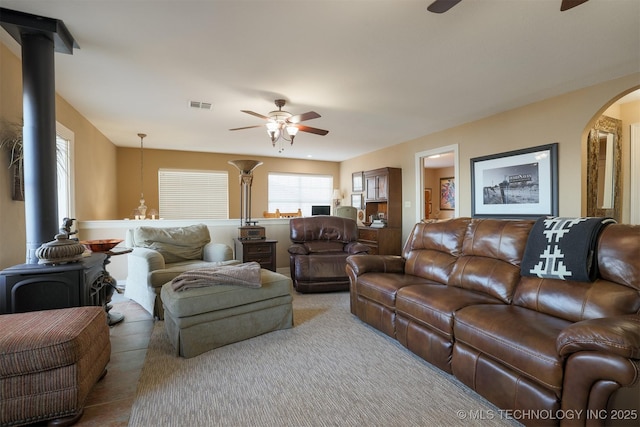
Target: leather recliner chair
x=319, y=250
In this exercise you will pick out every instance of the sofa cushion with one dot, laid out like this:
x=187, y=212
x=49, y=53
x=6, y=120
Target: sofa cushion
x=434, y=305
x=320, y=266
x=576, y=301
x=524, y=340
x=219, y=297
x=174, y=243
x=382, y=288
x=318, y=246
x=491, y=255
x=157, y=278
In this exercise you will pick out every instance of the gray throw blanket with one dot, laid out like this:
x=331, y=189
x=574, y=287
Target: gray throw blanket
x=247, y=275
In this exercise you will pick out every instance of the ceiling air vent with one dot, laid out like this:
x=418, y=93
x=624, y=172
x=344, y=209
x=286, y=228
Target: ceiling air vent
x=200, y=105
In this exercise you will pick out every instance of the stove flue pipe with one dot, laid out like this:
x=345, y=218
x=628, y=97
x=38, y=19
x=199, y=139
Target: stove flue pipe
x=246, y=168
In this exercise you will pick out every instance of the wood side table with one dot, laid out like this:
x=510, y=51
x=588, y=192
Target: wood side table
x=262, y=251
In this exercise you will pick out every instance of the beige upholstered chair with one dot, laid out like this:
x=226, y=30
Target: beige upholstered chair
x=160, y=254
x=347, y=212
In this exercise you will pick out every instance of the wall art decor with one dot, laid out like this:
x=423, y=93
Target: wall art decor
x=356, y=201
x=516, y=184
x=447, y=194
x=357, y=182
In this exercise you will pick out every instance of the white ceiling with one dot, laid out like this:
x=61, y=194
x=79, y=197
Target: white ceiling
x=379, y=72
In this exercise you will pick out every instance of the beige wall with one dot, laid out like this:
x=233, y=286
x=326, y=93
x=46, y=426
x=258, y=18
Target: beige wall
x=107, y=177
x=128, y=175
x=95, y=156
x=564, y=119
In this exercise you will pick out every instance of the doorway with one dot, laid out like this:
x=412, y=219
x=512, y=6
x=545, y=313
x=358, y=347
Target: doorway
x=436, y=183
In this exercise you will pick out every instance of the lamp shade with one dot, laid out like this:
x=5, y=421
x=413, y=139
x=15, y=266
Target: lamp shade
x=336, y=194
x=245, y=166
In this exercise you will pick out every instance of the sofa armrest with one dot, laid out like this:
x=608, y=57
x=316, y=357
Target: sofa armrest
x=361, y=264
x=147, y=259
x=216, y=252
x=298, y=249
x=619, y=335
x=353, y=248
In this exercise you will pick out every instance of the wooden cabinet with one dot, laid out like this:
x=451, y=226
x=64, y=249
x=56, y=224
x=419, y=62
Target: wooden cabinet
x=377, y=186
x=381, y=241
x=260, y=251
x=383, y=198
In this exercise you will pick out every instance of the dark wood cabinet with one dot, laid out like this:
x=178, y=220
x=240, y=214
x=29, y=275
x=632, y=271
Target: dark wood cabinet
x=260, y=251
x=381, y=241
x=383, y=198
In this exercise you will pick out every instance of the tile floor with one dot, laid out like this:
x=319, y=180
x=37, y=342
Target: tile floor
x=109, y=403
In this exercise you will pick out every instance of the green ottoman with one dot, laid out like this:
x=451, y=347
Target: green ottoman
x=201, y=319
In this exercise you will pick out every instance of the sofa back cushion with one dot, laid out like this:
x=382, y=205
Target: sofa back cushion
x=615, y=292
x=175, y=244
x=323, y=227
x=492, y=250
x=433, y=248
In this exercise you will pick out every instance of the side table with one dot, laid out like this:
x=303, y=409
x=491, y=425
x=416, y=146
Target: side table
x=262, y=251
x=110, y=284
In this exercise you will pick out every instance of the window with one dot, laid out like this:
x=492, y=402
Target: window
x=290, y=191
x=193, y=194
x=64, y=156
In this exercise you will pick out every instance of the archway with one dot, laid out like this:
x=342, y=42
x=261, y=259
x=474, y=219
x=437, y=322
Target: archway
x=624, y=108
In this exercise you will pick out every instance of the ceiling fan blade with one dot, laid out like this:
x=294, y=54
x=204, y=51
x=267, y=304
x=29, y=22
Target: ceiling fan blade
x=441, y=6
x=309, y=129
x=568, y=4
x=302, y=117
x=255, y=114
x=248, y=127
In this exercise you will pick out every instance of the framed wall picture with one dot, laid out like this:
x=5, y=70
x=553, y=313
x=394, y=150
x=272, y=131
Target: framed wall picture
x=516, y=184
x=447, y=193
x=357, y=182
x=356, y=201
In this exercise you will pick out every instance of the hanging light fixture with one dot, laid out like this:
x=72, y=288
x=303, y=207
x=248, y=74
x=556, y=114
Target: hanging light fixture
x=142, y=208
x=279, y=127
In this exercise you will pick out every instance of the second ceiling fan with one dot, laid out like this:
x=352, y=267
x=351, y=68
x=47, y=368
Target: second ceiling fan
x=283, y=124
x=441, y=6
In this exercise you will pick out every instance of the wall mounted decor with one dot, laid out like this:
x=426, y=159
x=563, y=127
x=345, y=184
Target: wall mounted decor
x=447, y=193
x=516, y=184
x=357, y=182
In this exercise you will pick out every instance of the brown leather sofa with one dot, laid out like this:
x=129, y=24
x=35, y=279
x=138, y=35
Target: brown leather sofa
x=546, y=351
x=319, y=250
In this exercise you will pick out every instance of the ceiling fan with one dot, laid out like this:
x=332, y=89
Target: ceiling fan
x=441, y=6
x=283, y=124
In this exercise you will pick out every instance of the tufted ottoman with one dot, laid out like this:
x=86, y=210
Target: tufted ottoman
x=49, y=361
x=201, y=319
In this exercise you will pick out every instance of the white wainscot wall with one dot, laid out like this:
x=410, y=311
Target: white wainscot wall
x=222, y=231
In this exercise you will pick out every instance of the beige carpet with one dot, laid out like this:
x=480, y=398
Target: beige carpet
x=329, y=370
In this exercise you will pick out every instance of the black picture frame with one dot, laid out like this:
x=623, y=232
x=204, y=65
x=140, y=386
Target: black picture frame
x=516, y=184
x=357, y=182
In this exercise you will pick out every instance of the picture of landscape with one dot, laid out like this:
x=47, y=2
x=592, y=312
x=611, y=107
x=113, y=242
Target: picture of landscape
x=511, y=185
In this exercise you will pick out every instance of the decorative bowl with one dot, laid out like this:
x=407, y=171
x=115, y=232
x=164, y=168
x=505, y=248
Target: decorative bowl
x=104, y=245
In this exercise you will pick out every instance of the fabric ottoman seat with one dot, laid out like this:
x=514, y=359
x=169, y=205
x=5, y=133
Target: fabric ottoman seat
x=49, y=361
x=201, y=319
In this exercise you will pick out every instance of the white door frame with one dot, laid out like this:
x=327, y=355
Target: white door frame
x=420, y=156
x=634, y=174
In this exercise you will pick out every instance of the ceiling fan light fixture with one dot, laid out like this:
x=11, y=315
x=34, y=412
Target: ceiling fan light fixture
x=282, y=125
x=292, y=130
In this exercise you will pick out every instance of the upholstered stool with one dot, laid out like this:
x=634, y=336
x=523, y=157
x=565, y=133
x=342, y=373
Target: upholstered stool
x=49, y=361
x=201, y=319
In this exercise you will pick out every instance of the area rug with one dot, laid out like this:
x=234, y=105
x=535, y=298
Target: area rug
x=330, y=369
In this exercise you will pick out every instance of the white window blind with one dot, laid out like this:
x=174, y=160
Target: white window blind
x=193, y=194
x=290, y=191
